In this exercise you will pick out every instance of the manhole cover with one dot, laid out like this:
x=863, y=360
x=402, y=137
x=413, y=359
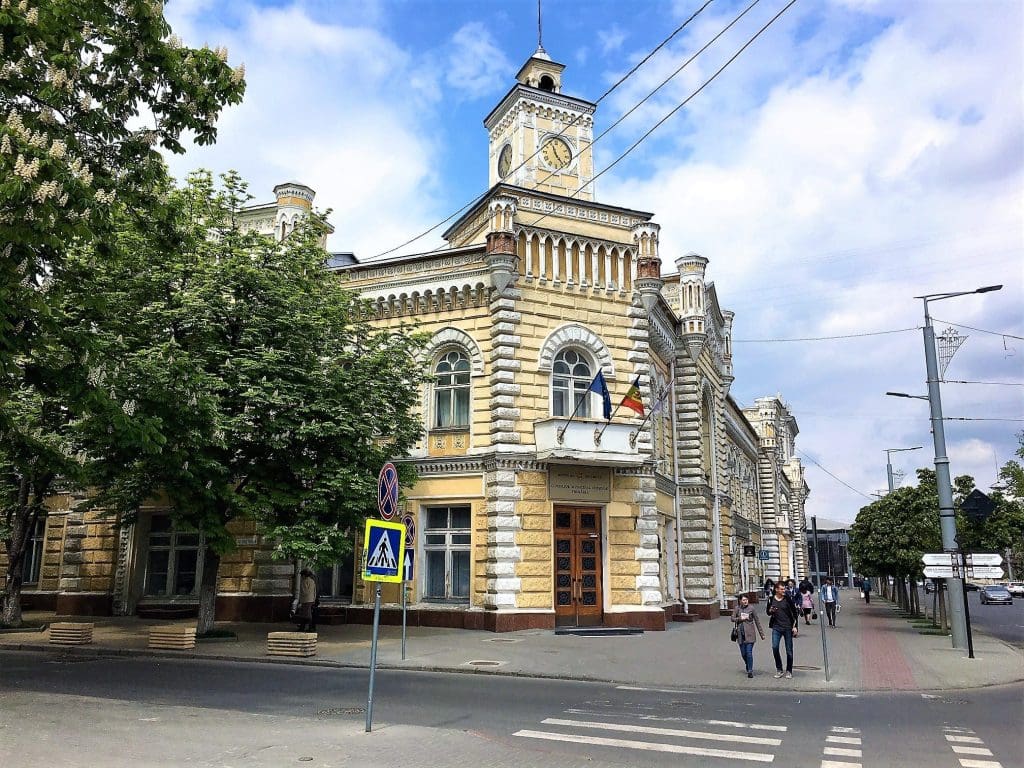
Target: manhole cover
x=502, y=640
x=340, y=711
x=484, y=663
x=806, y=669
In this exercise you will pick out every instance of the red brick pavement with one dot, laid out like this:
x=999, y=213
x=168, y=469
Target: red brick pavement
x=883, y=663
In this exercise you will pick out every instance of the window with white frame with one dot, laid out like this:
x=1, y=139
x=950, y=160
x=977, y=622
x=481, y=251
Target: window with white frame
x=451, y=390
x=174, y=560
x=446, y=540
x=34, y=551
x=570, y=379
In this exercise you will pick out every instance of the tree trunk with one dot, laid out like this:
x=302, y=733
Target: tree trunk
x=208, y=592
x=24, y=519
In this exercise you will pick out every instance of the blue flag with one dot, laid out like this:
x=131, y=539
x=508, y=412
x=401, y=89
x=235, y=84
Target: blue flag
x=598, y=385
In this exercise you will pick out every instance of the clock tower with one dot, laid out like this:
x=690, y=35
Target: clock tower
x=540, y=138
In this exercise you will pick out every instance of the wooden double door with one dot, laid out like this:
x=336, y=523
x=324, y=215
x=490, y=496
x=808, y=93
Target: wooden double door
x=578, y=598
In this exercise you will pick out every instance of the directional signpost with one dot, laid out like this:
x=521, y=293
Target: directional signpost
x=961, y=565
x=383, y=556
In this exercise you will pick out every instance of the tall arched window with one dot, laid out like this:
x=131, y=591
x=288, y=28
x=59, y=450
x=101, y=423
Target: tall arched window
x=570, y=377
x=451, y=390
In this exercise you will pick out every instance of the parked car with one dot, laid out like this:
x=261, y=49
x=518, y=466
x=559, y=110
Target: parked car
x=1015, y=588
x=996, y=593
x=930, y=585
x=971, y=587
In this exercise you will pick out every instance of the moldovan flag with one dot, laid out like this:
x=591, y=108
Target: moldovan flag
x=632, y=399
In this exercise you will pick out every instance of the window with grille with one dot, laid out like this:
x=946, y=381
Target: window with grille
x=174, y=560
x=451, y=390
x=446, y=552
x=570, y=378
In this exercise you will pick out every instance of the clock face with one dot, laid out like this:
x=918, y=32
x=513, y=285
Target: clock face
x=556, y=153
x=505, y=161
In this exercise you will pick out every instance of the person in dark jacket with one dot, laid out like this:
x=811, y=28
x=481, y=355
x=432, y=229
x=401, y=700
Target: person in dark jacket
x=782, y=624
x=748, y=626
x=769, y=588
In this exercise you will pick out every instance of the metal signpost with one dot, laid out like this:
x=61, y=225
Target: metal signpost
x=383, y=554
x=407, y=573
x=821, y=605
x=961, y=565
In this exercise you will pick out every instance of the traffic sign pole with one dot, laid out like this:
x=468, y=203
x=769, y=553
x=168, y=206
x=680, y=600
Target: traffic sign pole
x=967, y=610
x=373, y=660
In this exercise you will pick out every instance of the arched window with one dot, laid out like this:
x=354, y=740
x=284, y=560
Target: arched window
x=570, y=377
x=451, y=390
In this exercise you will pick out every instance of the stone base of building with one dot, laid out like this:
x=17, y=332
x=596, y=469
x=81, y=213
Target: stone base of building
x=39, y=601
x=705, y=610
x=489, y=621
x=77, y=604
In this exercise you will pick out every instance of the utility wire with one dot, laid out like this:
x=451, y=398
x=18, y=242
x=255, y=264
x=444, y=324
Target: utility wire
x=819, y=466
x=994, y=383
x=571, y=123
x=970, y=418
x=679, y=106
x=822, y=338
x=979, y=330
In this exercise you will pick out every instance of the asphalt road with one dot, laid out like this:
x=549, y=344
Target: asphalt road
x=115, y=711
x=1003, y=621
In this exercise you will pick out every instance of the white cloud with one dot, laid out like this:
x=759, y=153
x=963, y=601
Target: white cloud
x=611, y=39
x=476, y=65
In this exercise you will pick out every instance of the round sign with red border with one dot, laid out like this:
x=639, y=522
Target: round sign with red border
x=410, y=529
x=387, y=491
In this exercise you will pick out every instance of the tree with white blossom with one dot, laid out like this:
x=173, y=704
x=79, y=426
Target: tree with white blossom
x=91, y=91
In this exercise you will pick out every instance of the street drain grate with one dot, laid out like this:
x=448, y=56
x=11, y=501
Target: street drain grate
x=806, y=668
x=501, y=640
x=340, y=711
x=484, y=663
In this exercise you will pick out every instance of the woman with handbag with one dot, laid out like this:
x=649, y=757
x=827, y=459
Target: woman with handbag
x=744, y=624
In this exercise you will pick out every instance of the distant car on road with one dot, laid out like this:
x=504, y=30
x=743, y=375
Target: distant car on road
x=1015, y=588
x=971, y=587
x=930, y=585
x=996, y=593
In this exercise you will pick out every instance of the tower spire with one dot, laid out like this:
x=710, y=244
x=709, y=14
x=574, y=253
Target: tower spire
x=540, y=31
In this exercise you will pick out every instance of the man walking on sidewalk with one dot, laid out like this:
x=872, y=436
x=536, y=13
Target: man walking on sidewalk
x=830, y=596
x=783, y=620
x=866, y=587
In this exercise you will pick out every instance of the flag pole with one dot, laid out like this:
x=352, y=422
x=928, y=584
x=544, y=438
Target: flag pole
x=636, y=432
x=561, y=432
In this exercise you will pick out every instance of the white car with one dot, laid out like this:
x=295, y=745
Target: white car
x=1015, y=588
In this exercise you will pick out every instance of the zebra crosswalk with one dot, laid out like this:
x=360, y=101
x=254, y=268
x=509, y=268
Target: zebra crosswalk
x=710, y=738
x=732, y=742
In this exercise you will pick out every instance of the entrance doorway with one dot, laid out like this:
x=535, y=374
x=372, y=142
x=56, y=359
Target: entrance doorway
x=578, y=600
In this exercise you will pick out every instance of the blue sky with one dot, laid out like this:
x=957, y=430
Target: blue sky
x=859, y=153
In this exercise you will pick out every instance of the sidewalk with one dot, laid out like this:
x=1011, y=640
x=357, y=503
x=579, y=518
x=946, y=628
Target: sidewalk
x=872, y=649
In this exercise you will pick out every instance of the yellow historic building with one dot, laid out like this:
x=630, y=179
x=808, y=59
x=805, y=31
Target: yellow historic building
x=531, y=509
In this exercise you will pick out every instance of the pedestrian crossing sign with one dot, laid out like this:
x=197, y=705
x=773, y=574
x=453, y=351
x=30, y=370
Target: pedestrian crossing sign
x=383, y=551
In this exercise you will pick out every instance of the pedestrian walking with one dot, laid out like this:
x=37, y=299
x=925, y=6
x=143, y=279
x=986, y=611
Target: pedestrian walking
x=305, y=613
x=807, y=605
x=746, y=627
x=794, y=597
x=866, y=587
x=830, y=596
x=782, y=624
x=769, y=588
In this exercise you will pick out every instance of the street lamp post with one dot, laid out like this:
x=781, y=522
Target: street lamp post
x=947, y=514
x=888, y=460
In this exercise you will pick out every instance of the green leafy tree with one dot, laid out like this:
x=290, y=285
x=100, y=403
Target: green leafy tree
x=255, y=386
x=90, y=92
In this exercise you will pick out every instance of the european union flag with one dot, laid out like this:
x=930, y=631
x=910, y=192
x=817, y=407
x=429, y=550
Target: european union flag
x=598, y=385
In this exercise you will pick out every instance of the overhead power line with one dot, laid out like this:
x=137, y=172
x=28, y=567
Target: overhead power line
x=993, y=383
x=819, y=466
x=979, y=330
x=822, y=338
x=973, y=418
x=569, y=125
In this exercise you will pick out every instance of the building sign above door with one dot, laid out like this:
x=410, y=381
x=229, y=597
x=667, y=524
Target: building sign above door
x=567, y=483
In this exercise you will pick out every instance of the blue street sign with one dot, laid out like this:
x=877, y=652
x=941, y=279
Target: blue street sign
x=387, y=491
x=764, y=554
x=383, y=551
x=410, y=568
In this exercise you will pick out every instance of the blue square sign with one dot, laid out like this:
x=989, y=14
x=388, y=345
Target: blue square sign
x=383, y=551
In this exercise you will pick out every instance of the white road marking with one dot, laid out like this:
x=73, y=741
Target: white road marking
x=842, y=752
x=983, y=751
x=657, y=718
x=742, y=738
x=648, y=746
x=963, y=739
x=980, y=763
x=838, y=729
x=843, y=739
x=951, y=729
x=838, y=764
x=655, y=690
x=846, y=696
